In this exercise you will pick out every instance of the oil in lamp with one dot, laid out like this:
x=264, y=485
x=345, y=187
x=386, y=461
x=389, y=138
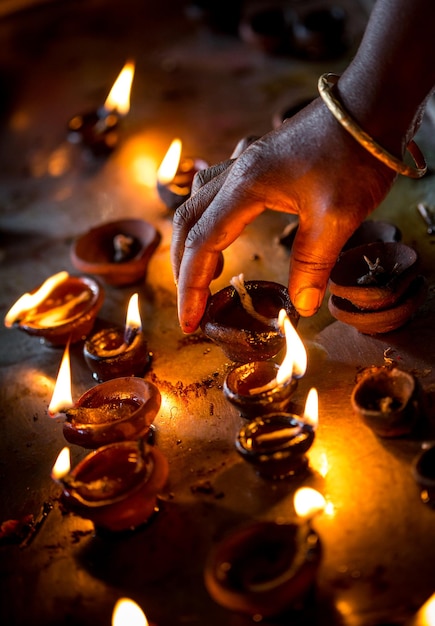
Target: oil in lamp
x=62, y=309
x=98, y=130
x=116, y=410
x=116, y=486
x=114, y=352
x=260, y=387
x=175, y=175
x=265, y=568
x=388, y=400
x=276, y=444
x=127, y=613
x=242, y=319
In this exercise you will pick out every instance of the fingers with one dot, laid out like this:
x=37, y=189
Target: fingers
x=205, y=176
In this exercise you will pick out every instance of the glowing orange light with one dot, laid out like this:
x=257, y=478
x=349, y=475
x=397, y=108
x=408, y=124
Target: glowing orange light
x=133, y=320
x=119, y=96
x=62, y=464
x=295, y=360
x=426, y=615
x=127, y=613
x=62, y=398
x=311, y=412
x=169, y=166
x=308, y=502
x=28, y=302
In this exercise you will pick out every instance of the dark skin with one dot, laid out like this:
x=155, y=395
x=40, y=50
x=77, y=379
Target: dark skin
x=312, y=167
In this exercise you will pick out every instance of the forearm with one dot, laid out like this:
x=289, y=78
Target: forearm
x=393, y=71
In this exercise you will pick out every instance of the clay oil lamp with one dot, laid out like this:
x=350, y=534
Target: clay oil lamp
x=116, y=486
x=116, y=410
x=127, y=613
x=276, y=444
x=62, y=309
x=264, y=569
x=115, y=352
x=117, y=252
x=98, y=131
x=242, y=319
x=260, y=387
x=376, y=287
x=423, y=470
x=387, y=400
x=175, y=175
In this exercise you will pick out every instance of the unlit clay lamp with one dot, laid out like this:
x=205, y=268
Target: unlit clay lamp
x=376, y=287
x=116, y=486
x=264, y=569
x=98, y=131
x=242, y=319
x=117, y=252
x=423, y=470
x=62, y=309
x=114, y=352
x=389, y=401
x=175, y=175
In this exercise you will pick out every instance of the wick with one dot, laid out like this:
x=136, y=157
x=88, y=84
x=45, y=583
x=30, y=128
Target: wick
x=267, y=387
x=129, y=336
x=238, y=282
x=284, y=433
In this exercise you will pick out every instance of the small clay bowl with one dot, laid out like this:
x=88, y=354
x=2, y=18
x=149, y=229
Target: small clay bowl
x=388, y=401
x=384, y=320
x=117, y=410
x=352, y=279
x=264, y=568
x=275, y=445
x=423, y=470
x=96, y=252
x=80, y=319
x=241, y=337
x=373, y=231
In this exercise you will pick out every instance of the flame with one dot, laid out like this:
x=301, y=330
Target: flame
x=133, y=320
x=295, y=360
x=169, y=166
x=119, y=96
x=311, y=411
x=426, y=614
x=127, y=613
x=308, y=502
x=62, y=465
x=62, y=398
x=27, y=302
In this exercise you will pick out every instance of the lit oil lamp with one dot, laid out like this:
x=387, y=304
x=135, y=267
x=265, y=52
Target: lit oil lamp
x=276, y=444
x=423, y=470
x=114, y=352
x=242, y=319
x=264, y=569
x=116, y=410
x=175, y=175
x=116, y=486
x=387, y=400
x=62, y=309
x=127, y=613
x=260, y=387
x=99, y=130
x=117, y=252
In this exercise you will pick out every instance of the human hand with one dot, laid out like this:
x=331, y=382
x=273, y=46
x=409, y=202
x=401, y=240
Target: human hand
x=309, y=166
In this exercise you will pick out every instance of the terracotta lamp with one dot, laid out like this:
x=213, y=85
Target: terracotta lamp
x=264, y=569
x=423, y=470
x=117, y=252
x=376, y=287
x=242, y=319
x=63, y=308
x=387, y=400
x=116, y=486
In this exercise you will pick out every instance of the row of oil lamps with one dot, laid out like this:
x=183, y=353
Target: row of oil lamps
x=117, y=485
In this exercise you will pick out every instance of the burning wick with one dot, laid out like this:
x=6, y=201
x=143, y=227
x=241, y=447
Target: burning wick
x=127, y=613
x=308, y=503
x=290, y=366
x=169, y=166
x=133, y=326
x=61, y=399
x=238, y=282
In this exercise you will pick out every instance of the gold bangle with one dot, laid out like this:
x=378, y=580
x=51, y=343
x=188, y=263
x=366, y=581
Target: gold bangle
x=326, y=81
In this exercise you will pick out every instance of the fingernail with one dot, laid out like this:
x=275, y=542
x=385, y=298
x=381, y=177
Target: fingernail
x=307, y=301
